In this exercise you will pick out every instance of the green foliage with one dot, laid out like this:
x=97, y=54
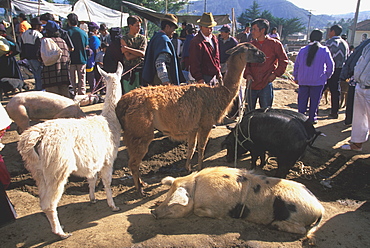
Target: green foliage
x=250, y=14
x=289, y=26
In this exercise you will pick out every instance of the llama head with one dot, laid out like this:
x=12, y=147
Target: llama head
x=112, y=77
x=253, y=54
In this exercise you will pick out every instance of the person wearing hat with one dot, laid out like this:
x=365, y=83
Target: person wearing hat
x=7, y=212
x=78, y=55
x=204, y=55
x=44, y=18
x=246, y=35
x=133, y=46
x=190, y=34
x=30, y=44
x=92, y=75
x=225, y=42
x=8, y=64
x=263, y=74
x=161, y=64
x=55, y=78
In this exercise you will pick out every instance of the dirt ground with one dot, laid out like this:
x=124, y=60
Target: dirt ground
x=345, y=197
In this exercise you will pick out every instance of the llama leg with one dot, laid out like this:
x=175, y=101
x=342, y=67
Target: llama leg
x=92, y=184
x=106, y=174
x=192, y=140
x=137, y=151
x=50, y=194
x=203, y=135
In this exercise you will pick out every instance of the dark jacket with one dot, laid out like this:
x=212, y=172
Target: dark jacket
x=349, y=65
x=224, y=46
x=161, y=43
x=30, y=44
x=204, y=59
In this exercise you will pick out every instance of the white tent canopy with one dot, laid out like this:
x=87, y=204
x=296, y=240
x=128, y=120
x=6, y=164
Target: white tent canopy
x=86, y=10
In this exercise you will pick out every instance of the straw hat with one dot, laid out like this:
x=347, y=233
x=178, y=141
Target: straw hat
x=207, y=20
x=4, y=118
x=171, y=18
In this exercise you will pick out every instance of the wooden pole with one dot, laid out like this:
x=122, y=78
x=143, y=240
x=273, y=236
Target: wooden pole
x=354, y=25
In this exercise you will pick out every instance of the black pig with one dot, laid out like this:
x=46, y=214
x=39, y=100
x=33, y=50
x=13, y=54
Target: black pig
x=285, y=134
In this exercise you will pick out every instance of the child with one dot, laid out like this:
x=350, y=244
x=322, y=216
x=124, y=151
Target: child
x=100, y=55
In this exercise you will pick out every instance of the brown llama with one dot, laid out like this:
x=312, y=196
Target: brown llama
x=184, y=113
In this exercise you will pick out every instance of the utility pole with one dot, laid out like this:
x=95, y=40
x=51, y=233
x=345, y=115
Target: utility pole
x=205, y=5
x=308, y=25
x=354, y=25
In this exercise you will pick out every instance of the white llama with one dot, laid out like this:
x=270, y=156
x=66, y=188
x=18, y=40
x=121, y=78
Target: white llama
x=55, y=149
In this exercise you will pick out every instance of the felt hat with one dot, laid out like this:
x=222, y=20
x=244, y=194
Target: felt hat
x=36, y=21
x=171, y=18
x=207, y=20
x=5, y=121
x=52, y=26
x=225, y=28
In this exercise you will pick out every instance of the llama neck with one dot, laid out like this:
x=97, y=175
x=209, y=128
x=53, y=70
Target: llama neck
x=113, y=95
x=233, y=76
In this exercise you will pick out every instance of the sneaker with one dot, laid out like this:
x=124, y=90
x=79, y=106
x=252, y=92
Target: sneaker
x=351, y=147
x=333, y=116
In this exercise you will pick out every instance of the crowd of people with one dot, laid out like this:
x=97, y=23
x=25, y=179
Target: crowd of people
x=194, y=56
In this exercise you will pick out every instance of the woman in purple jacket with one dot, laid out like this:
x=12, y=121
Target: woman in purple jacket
x=313, y=66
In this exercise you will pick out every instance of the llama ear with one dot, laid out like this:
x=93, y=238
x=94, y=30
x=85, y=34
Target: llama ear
x=119, y=69
x=102, y=72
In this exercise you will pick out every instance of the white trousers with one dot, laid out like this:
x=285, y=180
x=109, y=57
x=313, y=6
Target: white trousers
x=361, y=115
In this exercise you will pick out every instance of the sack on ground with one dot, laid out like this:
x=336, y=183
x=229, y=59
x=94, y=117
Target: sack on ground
x=50, y=52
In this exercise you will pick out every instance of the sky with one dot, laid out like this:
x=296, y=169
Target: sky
x=331, y=7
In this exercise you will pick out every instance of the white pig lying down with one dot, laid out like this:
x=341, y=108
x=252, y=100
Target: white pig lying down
x=218, y=192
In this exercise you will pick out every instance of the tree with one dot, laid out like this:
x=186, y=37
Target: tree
x=289, y=26
x=250, y=14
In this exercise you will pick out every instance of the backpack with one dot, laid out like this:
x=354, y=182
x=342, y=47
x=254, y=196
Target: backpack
x=50, y=52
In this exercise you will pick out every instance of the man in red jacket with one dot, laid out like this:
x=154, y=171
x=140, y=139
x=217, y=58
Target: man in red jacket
x=262, y=74
x=204, y=56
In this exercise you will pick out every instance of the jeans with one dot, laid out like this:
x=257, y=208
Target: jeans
x=265, y=97
x=36, y=67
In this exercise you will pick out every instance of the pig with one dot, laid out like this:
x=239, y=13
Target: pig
x=283, y=133
x=38, y=105
x=223, y=192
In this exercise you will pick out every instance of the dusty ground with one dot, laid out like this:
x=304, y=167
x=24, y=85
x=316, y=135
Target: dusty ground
x=346, y=222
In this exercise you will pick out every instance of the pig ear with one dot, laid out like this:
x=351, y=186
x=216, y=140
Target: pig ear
x=180, y=196
x=168, y=181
